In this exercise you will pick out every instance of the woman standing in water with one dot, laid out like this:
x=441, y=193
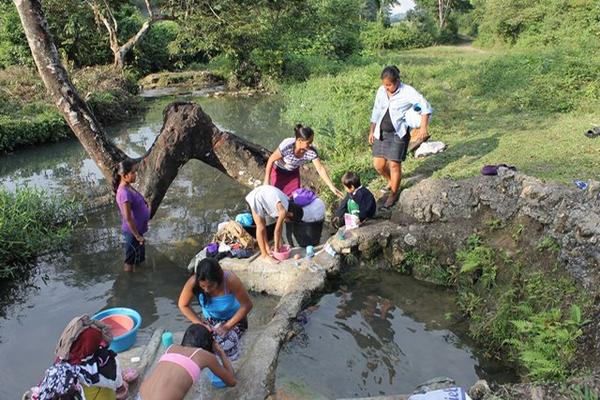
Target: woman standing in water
x=389, y=132
x=135, y=214
x=283, y=167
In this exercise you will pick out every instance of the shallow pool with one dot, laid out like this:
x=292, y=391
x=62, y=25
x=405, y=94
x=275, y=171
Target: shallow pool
x=385, y=333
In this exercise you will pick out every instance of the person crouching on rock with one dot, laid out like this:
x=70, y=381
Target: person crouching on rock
x=224, y=300
x=180, y=366
x=361, y=197
x=135, y=214
x=269, y=203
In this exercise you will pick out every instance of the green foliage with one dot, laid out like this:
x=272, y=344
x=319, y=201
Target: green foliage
x=539, y=23
x=546, y=342
x=28, y=116
x=13, y=44
x=582, y=392
x=406, y=34
x=41, y=128
x=494, y=224
x=521, y=317
x=547, y=243
x=32, y=222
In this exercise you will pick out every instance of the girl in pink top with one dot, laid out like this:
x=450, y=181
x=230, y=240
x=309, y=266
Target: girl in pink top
x=180, y=367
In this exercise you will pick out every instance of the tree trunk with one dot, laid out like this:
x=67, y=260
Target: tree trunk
x=187, y=131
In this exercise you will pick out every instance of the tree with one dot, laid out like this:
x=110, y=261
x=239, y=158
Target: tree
x=442, y=9
x=187, y=131
x=104, y=14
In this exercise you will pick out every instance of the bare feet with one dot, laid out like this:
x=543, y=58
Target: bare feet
x=269, y=259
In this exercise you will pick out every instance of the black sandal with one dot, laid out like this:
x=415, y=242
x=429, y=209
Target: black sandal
x=593, y=133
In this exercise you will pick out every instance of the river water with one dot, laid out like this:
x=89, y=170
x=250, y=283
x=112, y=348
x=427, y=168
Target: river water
x=382, y=337
x=89, y=277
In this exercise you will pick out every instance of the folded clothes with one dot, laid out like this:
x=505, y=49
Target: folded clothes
x=493, y=169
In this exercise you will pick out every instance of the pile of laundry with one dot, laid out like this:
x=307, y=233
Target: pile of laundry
x=231, y=240
x=84, y=366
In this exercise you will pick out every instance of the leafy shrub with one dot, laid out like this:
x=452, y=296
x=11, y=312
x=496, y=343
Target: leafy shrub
x=32, y=222
x=546, y=342
x=42, y=128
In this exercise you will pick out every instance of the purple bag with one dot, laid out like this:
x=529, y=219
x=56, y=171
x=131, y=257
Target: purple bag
x=493, y=169
x=303, y=197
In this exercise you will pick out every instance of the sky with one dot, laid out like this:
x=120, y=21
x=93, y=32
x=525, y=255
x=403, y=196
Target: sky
x=403, y=7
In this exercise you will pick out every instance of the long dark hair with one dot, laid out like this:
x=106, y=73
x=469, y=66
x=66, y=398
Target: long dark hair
x=392, y=73
x=207, y=270
x=124, y=167
x=303, y=132
x=196, y=335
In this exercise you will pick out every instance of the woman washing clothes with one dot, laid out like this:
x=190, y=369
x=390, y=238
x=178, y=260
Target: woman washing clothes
x=180, y=366
x=389, y=132
x=224, y=301
x=283, y=167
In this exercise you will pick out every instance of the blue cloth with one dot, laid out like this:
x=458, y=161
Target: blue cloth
x=220, y=308
x=403, y=99
x=244, y=219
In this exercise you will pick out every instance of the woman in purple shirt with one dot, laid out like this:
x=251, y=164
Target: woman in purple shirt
x=135, y=214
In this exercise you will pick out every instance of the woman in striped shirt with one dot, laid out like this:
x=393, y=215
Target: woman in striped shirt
x=283, y=167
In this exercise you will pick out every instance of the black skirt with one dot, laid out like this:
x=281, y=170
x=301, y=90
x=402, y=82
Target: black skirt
x=391, y=147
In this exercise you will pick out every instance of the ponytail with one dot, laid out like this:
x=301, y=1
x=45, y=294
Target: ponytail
x=124, y=167
x=303, y=132
x=392, y=73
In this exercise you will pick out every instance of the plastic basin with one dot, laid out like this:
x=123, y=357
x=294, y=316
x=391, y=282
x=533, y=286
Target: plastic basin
x=283, y=253
x=124, y=323
x=119, y=324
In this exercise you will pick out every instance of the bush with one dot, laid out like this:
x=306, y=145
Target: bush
x=42, y=128
x=555, y=80
x=32, y=223
x=403, y=35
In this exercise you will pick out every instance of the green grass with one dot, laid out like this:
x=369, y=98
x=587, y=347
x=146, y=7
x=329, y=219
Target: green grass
x=525, y=108
x=32, y=222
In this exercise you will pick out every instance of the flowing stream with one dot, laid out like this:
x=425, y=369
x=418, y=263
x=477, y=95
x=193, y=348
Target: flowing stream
x=384, y=336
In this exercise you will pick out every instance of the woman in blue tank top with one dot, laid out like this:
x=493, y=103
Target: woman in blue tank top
x=224, y=301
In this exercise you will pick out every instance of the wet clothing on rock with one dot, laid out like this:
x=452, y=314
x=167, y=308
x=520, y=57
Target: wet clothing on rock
x=233, y=232
x=72, y=332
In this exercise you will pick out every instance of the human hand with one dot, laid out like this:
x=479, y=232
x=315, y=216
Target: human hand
x=338, y=193
x=140, y=239
x=371, y=138
x=419, y=134
x=221, y=330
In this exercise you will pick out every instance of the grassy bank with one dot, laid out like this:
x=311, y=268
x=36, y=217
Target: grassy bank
x=526, y=108
x=28, y=117
x=32, y=222
x=520, y=304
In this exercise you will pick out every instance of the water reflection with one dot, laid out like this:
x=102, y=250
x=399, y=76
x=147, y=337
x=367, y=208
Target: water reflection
x=88, y=276
x=384, y=334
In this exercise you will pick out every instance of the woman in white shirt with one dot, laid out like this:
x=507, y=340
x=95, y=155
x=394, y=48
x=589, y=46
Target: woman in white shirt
x=283, y=167
x=389, y=132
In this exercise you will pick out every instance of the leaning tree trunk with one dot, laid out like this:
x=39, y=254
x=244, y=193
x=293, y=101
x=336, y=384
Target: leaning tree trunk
x=187, y=131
